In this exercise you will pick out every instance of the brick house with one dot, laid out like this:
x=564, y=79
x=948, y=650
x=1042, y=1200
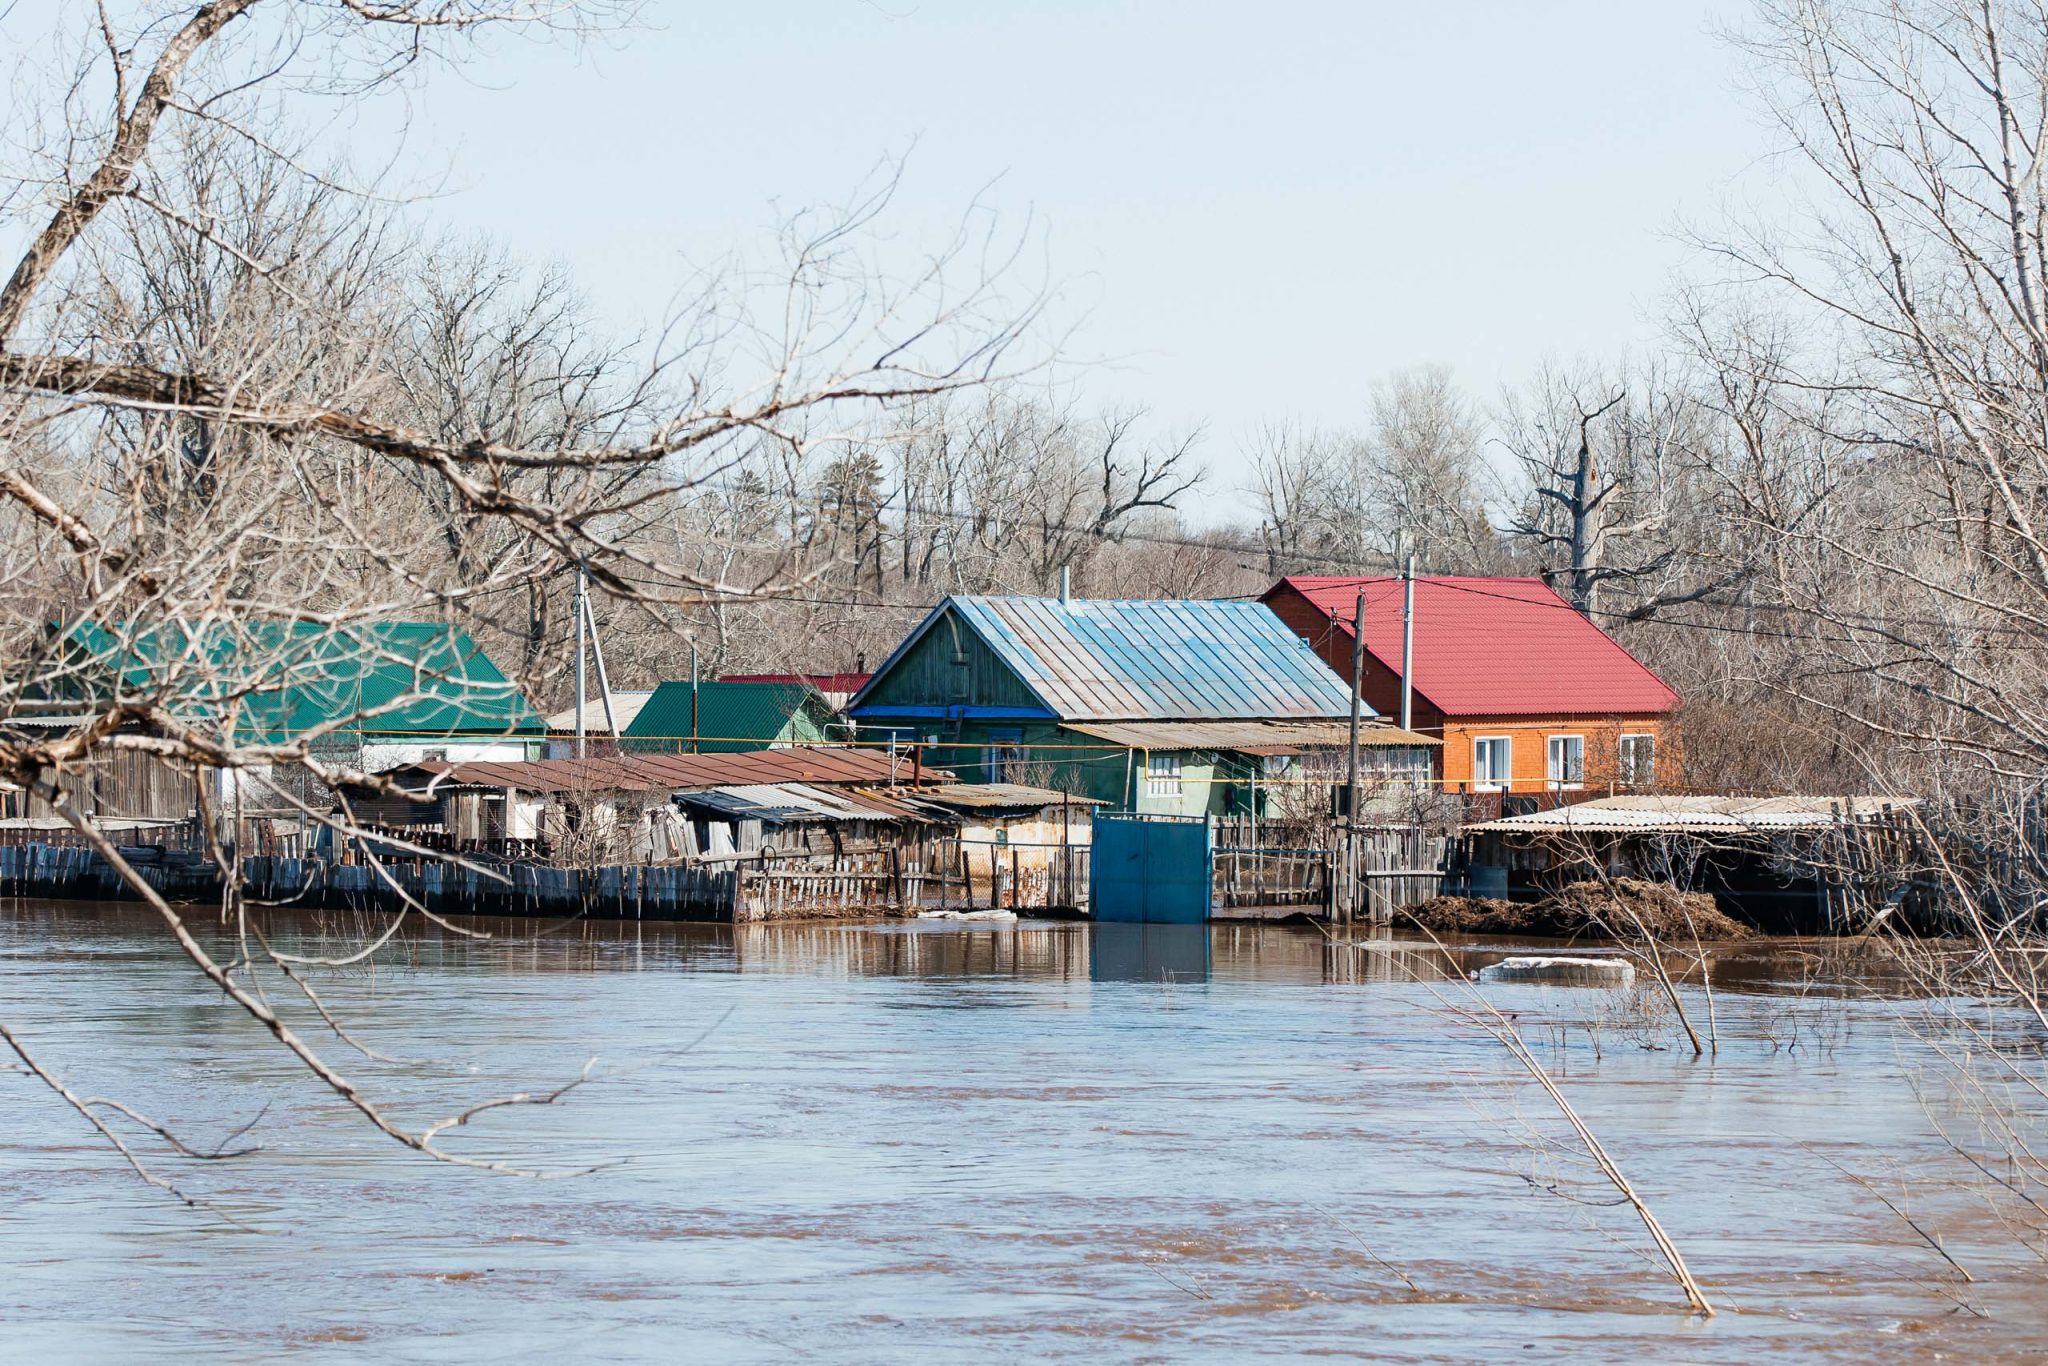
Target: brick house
x=1526, y=694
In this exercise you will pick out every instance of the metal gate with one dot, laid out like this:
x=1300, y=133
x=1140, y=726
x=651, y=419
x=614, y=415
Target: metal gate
x=1155, y=869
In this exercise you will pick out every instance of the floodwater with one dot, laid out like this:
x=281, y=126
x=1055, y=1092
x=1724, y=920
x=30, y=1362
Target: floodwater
x=958, y=1142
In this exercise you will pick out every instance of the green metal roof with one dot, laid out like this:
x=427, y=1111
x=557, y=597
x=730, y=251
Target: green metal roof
x=267, y=682
x=730, y=717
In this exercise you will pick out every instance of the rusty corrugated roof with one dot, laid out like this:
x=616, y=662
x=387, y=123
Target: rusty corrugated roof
x=830, y=765
x=997, y=796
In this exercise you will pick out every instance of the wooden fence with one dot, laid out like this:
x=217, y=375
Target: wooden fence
x=1259, y=883
x=1397, y=869
x=966, y=874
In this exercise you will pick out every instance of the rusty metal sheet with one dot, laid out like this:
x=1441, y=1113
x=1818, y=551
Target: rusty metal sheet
x=826, y=764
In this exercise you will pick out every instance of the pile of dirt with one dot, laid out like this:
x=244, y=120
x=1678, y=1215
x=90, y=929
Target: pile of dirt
x=1588, y=910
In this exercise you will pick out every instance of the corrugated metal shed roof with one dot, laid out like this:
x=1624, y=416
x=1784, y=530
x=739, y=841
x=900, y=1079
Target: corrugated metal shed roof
x=1112, y=659
x=782, y=803
x=625, y=706
x=1492, y=646
x=744, y=804
x=1657, y=813
x=1000, y=796
x=1249, y=737
x=671, y=772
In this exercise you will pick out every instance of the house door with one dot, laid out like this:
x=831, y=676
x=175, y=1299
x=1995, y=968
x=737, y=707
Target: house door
x=1152, y=869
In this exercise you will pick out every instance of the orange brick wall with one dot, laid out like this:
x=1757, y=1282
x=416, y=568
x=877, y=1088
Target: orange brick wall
x=1531, y=747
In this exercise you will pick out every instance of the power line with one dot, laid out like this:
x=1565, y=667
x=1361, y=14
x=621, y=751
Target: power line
x=1353, y=565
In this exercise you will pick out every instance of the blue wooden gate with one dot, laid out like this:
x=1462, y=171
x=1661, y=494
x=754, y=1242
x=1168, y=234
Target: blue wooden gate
x=1153, y=869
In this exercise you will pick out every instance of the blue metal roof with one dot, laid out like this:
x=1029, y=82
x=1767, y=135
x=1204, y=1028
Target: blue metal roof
x=1122, y=659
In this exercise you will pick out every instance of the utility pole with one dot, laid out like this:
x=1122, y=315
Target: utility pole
x=1407, y=640
x=604, y=682
x=582, y=605
x=1350, y=909
x=693, y=697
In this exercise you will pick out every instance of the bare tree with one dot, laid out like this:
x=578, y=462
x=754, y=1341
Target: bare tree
x=248, y=417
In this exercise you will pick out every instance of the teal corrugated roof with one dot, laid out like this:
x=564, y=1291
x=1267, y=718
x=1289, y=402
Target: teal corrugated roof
x=1128, y=659
x=266, y=682
x=734, y=716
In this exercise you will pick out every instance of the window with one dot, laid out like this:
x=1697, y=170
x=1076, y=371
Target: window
x=1002, y=759
x=1567, y=761
x=1492, y=763
x=1638, y=767
x=1162, y=775
x=1389, y=764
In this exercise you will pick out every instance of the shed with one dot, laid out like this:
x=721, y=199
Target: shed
x=725, y=717
x=1015, y=844
x=490, y=803
x=1775, y=862
x=597, y=729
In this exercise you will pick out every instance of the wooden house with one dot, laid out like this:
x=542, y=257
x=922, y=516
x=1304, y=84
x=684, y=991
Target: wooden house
x=1171, y=707
x=1526, y=694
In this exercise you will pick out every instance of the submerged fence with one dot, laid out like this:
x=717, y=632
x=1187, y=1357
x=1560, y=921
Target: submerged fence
x=986, y=874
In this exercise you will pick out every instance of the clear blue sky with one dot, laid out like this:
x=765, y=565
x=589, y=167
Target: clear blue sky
x=1259, y=207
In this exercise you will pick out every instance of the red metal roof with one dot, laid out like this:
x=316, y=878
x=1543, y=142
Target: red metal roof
x=1493, y=647
x=829, y=683
x=655, y=772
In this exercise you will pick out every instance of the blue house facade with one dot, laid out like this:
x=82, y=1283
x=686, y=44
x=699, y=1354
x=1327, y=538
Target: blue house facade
x=1154, y=706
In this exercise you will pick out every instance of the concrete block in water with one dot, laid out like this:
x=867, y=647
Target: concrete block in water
x=1563, y=972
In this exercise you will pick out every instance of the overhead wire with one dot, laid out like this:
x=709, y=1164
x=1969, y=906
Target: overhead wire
x=1363, y=568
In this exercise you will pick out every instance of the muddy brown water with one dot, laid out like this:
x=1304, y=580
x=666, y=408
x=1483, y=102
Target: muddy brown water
x=960, y=1142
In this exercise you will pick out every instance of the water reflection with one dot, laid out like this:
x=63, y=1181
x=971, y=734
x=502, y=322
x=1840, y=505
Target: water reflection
x=1051, y=951
x=1148, y=953
x=909, y=1141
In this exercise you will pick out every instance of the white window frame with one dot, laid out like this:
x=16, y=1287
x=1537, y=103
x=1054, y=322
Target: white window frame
x=1627, y=772
x=1488, y=784
x=1551, y=767
x=1163, y=774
